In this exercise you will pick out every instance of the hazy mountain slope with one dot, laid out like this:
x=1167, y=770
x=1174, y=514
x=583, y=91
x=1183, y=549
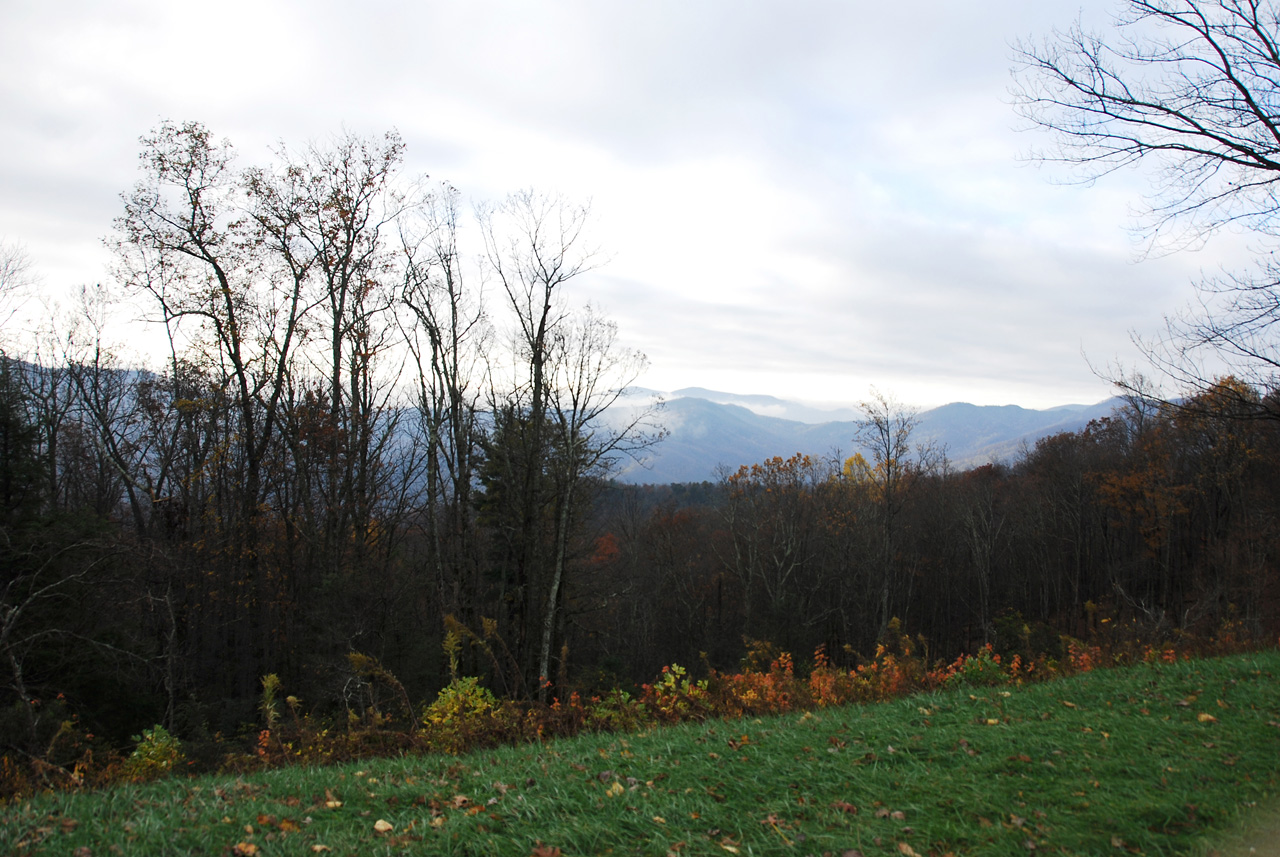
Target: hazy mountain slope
x=977, y=434
x=770, y=406
x=706, y=434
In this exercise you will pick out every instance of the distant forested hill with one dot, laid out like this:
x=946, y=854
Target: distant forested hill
x=709, y=429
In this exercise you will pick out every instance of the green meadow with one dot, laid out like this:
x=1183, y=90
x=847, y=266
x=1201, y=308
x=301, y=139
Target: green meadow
x=1150, y=759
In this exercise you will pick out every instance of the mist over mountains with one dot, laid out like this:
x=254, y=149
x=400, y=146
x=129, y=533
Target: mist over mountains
x=709, y=428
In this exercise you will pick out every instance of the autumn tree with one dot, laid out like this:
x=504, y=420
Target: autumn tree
x=328, y=216
x=1228, y=473
x=775, y=517
x=277, y=283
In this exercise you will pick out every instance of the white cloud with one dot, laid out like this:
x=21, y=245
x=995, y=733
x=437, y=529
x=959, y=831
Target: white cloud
x=800, y=198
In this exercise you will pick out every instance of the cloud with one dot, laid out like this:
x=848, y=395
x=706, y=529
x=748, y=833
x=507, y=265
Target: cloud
x=795, y=198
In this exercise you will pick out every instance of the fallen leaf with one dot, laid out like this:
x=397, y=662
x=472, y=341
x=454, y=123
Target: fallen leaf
x=438, y=821
x=605, y=776
x=907, y=850
x=383, y=826
x=541, y=850
x=320, y=849
x=657, y=819
x=459, y=801
x=1205, y=717
x=1069, y=704
x=244, y=849
x=844, y=806
x=615, y=789
x=898, y=815
x=882, y=812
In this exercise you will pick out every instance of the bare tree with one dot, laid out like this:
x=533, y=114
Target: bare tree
x=591, y=373
x=885, y=432
x=1191, y=88
x=448, y=335
x=569, y=371
x=534, y=246
x=16, y=279
x=1189, y=84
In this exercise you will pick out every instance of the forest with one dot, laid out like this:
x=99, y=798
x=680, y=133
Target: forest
x=371, y=452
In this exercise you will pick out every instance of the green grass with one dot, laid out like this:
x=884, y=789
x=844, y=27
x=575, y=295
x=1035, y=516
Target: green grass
x=1111, y=762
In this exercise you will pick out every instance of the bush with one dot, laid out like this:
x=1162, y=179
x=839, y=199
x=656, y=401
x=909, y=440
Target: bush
x=463, y=712
x=673, y=697
x=158, y=754
x=980, y=670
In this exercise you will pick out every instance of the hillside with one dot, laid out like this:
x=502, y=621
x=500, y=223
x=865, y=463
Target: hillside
x=710, y=429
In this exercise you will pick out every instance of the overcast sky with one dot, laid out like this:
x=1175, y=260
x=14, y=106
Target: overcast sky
x=802, y=199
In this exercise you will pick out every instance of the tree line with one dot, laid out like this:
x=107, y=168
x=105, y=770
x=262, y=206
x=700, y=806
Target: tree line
x=379, y=416
x=1156, y=524
x=383, y=429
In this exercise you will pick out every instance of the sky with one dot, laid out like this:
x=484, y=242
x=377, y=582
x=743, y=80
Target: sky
x=807, y=199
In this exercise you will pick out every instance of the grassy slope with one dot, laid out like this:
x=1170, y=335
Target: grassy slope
x=1111, y=762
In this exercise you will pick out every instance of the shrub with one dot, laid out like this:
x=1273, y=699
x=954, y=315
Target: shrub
x=267, y=704
x=982, y=669
x=463, y=713
x=673, y=697
x=156, y=755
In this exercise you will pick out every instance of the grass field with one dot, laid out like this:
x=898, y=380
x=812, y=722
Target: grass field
x=1151, y=759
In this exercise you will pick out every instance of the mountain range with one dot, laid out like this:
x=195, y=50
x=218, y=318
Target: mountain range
x=708, y=429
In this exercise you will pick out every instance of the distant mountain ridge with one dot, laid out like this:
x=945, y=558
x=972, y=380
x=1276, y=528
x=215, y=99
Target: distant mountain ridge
x=709, y=429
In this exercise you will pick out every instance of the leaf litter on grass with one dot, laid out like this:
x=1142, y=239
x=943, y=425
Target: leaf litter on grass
x=1125, y=759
